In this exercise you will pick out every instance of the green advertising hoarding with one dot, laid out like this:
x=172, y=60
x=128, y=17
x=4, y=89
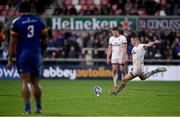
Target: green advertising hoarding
x=91, y=23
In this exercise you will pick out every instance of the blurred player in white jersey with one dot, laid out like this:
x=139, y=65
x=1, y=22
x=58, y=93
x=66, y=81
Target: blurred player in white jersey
x=117, y=49
x=138, y=53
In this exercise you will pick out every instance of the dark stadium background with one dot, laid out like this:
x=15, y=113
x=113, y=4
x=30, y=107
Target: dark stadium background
x=78, y=32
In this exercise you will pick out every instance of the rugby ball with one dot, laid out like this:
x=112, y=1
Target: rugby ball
x=97, y=90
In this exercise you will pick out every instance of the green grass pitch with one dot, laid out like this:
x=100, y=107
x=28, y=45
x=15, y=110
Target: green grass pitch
x=68, y=98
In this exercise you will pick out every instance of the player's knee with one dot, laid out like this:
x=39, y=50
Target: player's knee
x=123, y=72
x=115, y=72
x=37, y=86
x=142, y=78
x=124, y=80
x=25, y=82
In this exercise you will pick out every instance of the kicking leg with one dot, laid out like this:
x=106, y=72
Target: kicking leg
x=144, y=76
x=161, y=69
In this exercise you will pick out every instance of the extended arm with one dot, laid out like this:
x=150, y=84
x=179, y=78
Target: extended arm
x=150, y=44
x=44, y=41
x=11, y=50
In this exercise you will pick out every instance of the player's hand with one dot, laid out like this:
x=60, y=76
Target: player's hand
x=107, y=61
x=9, y=64
x=157, y=41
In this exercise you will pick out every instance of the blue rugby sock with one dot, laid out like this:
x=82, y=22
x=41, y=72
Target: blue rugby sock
x=28, y=107
x=38, y=105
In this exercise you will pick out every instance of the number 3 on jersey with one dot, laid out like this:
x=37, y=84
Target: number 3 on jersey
x=30, y=29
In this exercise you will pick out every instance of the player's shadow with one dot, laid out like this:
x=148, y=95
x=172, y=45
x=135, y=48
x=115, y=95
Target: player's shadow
x=146, y=90
x=9, y=95
x=151, y=90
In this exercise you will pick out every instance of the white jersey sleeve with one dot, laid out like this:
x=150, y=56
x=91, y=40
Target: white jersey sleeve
x=124, y=40
x=142, y=47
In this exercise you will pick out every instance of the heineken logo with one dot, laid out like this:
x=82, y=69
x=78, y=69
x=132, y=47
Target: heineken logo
x=99, y=23
x=89, y=23
x=126, y=24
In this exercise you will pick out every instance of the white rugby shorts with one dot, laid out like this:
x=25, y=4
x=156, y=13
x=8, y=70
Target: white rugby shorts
x=136, y=71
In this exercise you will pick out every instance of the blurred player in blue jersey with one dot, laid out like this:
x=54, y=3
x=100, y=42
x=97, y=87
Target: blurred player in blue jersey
x=29, y=39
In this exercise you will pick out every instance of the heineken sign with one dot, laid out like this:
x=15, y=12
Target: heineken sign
x=107, y=22
x=166, y=23
x=91, y=23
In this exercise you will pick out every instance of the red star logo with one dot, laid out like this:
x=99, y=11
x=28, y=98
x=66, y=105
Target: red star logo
x=126, y=24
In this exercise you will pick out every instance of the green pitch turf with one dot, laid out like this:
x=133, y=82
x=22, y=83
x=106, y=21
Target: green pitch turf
x=67, y=98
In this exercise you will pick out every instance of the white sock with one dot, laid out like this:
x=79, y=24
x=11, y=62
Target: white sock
x=115, y=80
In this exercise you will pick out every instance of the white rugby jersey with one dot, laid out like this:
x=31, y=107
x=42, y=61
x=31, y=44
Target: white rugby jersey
x=138, y=53
x=117, y=43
